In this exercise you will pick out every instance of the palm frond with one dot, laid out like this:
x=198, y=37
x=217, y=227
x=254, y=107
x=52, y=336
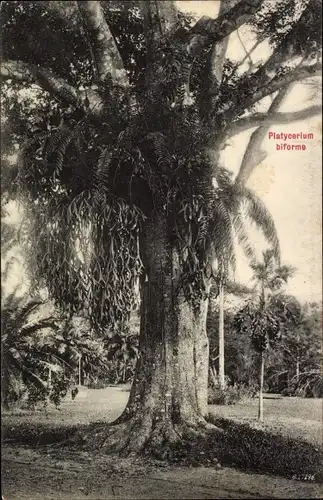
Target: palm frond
x=26, y=310
x=243, y=237
x=32, y=328
x=102, y=173
x=261, y=217
x=222, y=237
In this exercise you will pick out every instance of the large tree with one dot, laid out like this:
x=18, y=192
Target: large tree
x=118, y=177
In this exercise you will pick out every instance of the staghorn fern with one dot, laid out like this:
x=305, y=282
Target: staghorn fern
x=88, y=187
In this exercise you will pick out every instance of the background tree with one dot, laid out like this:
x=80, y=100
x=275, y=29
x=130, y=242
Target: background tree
x=117, y=180
x=21, y=359
x=41, y=351
x=299, y=346
x=302, y=353
x=240, y=206
x=237, y=294
x=260, y=318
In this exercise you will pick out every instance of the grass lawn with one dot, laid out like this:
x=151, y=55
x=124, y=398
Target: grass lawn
x=295, y=417
x=38, y=473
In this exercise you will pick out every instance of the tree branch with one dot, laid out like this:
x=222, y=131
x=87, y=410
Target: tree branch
x=254, y=91
x=87, y=100
x=25, y=72
x=254, y=155
x=260, y=119
x=159, y=16
x=265, y=76
x=287, y=49
x=107, y=58
x=207, y=30
x=248, y=53
x=220, y=49
x=272, y=85
x=214, y=66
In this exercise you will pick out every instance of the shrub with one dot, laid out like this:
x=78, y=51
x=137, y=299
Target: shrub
x=40, y=357
x=307, y=385
x=122, y=354
x=97, y=384
x=230, y=395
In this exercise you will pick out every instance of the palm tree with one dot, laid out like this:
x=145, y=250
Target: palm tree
x=268, y=278
x=259, y=318
x=238, y=205
x=232, y=288
x=20, y=344
x=80, y=349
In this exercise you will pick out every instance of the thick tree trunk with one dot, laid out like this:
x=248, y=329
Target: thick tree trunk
x=168, y=399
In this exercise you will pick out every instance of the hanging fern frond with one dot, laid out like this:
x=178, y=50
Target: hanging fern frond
x=161, y=148
x=86, y=252
x=102, y=172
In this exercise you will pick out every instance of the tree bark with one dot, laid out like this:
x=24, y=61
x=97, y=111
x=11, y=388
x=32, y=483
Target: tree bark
x=297, y=370
x=213, y=377
x=261, y=388
x=207, y=30
x=80, y=370
x=168, y=398
x=4, y=381
x=221, y=338
x=104, y=49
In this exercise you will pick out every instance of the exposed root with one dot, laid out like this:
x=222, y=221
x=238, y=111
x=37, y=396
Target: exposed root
x=183, y=441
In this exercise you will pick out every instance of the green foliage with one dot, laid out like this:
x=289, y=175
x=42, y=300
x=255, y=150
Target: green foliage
x=261, y=319
x=299, y=348
x=88, y=185
x=262, y=325
x=41, y=356
x=76, y=340
x=122, y=353
x=25, y=363
x=308, y=384
x=241, y=361
x=231, y=395
x=59, y=37
x=275, y=23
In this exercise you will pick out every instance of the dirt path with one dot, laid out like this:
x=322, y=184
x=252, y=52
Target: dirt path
x=61, y=475
x=31, y=475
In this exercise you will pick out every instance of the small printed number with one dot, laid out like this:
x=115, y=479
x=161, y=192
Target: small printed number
x=304, y=477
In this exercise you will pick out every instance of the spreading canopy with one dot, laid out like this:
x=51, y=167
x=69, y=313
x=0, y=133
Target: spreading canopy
x=135, y=102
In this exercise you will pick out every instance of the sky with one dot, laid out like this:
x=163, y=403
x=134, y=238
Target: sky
x=289, y=182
